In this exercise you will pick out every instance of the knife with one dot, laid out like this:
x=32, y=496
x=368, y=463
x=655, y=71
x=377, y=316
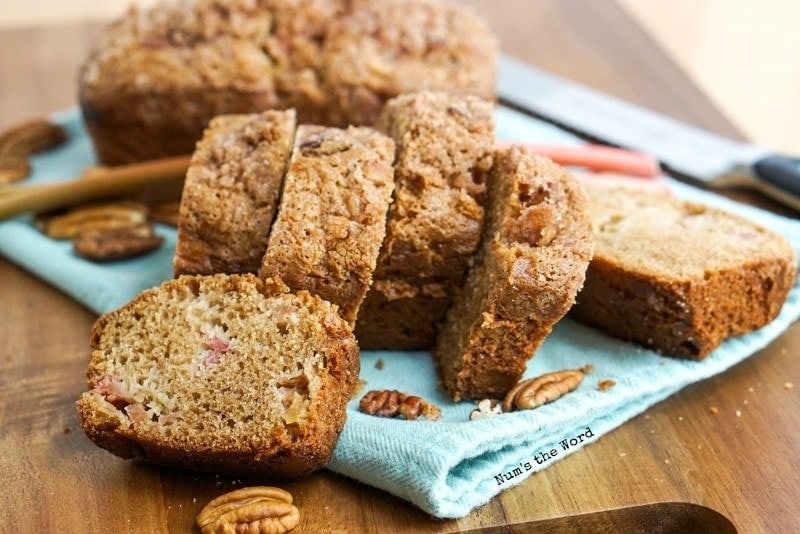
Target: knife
x=666, y=517
x=684, y=150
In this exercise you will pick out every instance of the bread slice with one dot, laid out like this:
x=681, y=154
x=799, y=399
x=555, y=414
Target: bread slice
x=679, y=277
x=444, y=151
x=230, y=195
x=536, y=246
x=332, y=216
x=222, y=373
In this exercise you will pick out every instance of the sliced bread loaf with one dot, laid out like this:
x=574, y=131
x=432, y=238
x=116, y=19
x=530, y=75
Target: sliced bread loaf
x=160, y=73
x=680, y=277
x=536, y=245
x=231, y=191
x=223, y=373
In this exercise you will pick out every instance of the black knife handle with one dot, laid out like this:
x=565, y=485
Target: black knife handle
x=781, y=172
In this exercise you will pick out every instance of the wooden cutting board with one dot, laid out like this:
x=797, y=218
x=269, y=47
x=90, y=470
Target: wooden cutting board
x=741, y=460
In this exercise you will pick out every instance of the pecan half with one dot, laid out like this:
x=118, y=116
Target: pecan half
x=257, y=509
x=20, y=141
x=31, y=136
x=87, y=217
x=117, y=243
x=13, y=168
x=534, y=392
x=391, y=403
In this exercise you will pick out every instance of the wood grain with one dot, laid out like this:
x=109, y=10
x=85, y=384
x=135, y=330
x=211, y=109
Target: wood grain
x=742, y=461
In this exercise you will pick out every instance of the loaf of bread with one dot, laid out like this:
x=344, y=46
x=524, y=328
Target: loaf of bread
x=680, y=277
x=444, y=152
x=230, y=194
x=332, y=215
x=535, y=248
x=222, y=373
x=159, y=75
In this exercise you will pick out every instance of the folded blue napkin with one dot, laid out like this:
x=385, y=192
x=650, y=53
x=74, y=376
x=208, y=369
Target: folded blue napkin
x=450, y=466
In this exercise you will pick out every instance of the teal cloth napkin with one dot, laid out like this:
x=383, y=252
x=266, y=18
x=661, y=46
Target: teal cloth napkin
x=450, y=466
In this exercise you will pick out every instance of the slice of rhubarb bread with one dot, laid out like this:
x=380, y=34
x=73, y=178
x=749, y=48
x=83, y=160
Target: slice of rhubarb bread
x=536, y=246
x=222, y=373
x=230, y=194
x=332, y=216
x=680, y=277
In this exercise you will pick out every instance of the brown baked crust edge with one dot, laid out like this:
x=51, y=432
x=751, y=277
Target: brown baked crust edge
x=688, y=318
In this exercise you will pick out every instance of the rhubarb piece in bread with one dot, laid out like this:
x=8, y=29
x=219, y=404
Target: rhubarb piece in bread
x=444, y=151
x=159, y=74
x=332, y=216
x=231, y=191
x=222, y=373
x=536, y=245
x=680, y=277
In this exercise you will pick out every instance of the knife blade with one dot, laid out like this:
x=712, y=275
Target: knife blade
x=684, y=150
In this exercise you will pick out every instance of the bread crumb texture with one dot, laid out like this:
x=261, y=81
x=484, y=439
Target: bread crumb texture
x=221, y=373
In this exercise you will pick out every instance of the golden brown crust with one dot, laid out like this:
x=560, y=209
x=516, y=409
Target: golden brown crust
x=386, y=48
x=230, y=195
x=444, y=151
x=679, y=277
x=536, y=246
x=222, y=373
x=332, y=217
x=158, y=76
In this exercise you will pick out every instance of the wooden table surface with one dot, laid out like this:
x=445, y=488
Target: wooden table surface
x=742, y=462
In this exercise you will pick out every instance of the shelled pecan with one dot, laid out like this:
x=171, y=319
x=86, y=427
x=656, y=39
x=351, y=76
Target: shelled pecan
x=257, y=509
x=117, y=243
x=20, y=141
x=31, y=136
x=391, y=403
x=534, y=392
x=95, y=216
x=13, y=168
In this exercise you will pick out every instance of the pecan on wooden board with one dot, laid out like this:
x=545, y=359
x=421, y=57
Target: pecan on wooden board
x=256, y=509
x=534, y=392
